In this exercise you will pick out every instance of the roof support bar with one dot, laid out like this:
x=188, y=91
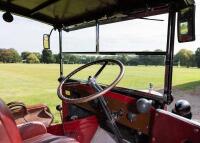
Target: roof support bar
x=169, y=56
x=97, y=36
x=60, y=52
x=41, y=6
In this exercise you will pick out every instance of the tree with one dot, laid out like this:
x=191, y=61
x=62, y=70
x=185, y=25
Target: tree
x=124, y=59
x=185, y=57
x=144, y=60
x=38, y=55
x=157, y=59
x=193, y=60
x=56, y=58
x=9, y=56
x=25, y=54
x=32, y=58
x=72, y=59
x=1, y=58
x=47, y=56
x=133, y=60
x=197, y=57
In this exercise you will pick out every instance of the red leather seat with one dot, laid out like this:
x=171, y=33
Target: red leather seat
x=31, y=129
x=32, y=132
x=49, y=138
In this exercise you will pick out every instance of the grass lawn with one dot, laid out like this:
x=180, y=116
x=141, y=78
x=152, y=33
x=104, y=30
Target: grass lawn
x=37, y=83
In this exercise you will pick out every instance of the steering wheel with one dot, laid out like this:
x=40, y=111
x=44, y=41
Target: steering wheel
x=91, y=81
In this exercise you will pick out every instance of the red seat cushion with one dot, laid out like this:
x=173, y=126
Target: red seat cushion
x=31, y=129
x=49, y=138
x=35, y=132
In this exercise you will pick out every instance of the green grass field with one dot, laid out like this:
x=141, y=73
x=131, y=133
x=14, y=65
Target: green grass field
x=37, y=83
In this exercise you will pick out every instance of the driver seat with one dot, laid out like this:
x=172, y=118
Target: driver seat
x=32, y=132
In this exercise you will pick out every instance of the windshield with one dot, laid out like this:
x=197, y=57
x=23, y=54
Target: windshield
x=134, y=35
x=141, y=71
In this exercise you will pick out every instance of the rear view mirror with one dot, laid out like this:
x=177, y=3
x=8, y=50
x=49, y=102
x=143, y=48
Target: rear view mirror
x=186, y=24
x=46, y=41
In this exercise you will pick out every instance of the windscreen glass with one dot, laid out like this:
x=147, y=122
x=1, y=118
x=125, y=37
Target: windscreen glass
x=135, y=35
x=141, y=71
x=82, y=40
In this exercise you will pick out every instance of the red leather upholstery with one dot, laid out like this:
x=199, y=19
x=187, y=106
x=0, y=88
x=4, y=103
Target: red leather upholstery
x=9, y=126
x=31, y=129
x=32, y=132
x=49, y=138
x=36, y=132
x=4, y=138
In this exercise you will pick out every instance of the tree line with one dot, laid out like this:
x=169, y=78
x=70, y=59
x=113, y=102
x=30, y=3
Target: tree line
x=183, y=58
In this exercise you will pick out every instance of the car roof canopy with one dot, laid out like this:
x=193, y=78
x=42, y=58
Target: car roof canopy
x=83, y=13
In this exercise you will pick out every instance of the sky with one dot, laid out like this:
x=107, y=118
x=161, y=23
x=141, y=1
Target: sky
x=135, y=35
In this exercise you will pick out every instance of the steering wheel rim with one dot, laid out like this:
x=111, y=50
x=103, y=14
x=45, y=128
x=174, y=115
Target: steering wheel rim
x=97, y=94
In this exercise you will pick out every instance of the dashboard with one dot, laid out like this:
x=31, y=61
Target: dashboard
x=122, y=107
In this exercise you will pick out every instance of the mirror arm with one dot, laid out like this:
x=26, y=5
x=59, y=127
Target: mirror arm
x=51, y=31
x=47, y=36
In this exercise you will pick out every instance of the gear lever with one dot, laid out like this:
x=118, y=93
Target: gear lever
x=59, y=109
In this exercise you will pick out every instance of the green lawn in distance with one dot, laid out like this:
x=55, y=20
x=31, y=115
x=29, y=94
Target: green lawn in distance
x=37, y=83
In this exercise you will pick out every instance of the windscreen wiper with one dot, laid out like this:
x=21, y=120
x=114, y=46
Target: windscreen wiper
x=145, y=18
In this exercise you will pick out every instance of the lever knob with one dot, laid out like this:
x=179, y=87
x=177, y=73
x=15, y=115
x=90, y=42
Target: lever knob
x=143, y=105
x=59, y=108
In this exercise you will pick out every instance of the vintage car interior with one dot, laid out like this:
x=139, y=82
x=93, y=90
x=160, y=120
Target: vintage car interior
x=92, y=112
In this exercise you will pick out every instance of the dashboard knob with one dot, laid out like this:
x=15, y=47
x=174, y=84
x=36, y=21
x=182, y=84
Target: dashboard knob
x=131, y=116
x=143, y=105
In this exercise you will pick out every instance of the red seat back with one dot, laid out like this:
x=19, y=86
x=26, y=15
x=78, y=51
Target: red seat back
x=8, y=129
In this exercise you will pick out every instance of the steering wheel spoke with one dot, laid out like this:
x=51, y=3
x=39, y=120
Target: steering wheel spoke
x=101, y=69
